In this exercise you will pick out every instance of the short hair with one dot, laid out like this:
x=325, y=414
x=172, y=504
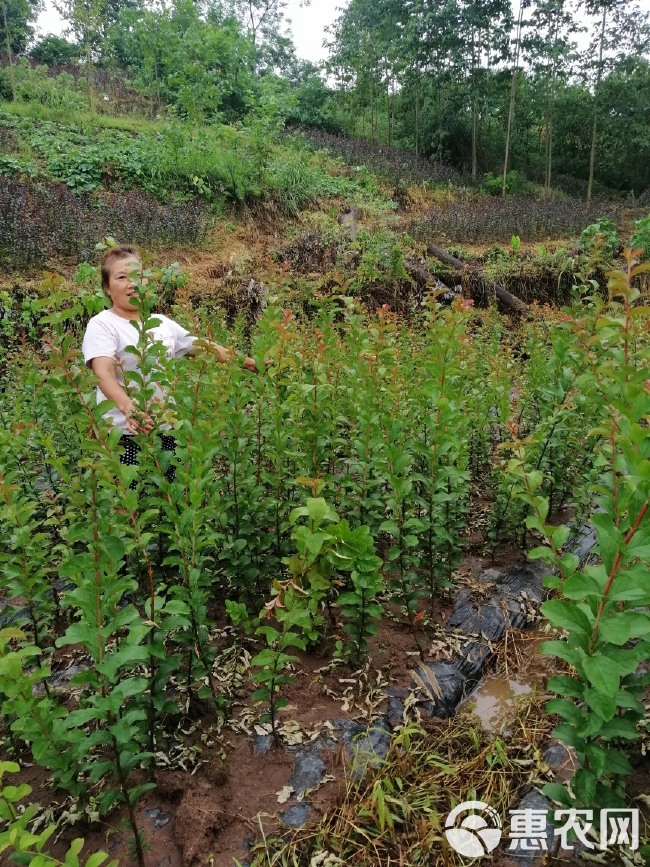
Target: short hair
x=113, y=254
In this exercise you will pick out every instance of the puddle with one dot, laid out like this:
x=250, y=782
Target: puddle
x=493, y=699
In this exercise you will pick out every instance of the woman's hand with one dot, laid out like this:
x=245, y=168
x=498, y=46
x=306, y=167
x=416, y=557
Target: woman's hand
x=135, y=421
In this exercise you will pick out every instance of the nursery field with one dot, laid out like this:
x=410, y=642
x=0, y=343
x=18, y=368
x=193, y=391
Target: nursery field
x=371, y=587
x=266, y=655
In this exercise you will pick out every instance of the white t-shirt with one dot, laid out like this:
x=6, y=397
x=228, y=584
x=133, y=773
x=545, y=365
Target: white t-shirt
x=108, y=334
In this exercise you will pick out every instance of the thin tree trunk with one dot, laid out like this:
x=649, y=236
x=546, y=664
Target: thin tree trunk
x=417, y=121
x=474, y=111
x=10, y=59
x=89, y=75
x=474, y=139
x=550, y=114
x=594, y=129
x=513, y=91
x=389, y=109
x=549, y=133
x=440, y=124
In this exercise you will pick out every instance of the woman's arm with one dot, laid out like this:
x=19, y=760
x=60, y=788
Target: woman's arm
x=104, y=369
x=223, y=354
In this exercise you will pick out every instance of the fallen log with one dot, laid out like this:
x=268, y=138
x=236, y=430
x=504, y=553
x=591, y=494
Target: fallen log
x=425, y=278
x=506, y=298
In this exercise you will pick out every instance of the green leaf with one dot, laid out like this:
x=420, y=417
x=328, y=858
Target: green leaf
x=562, y=650
x=315, y=541
x=602, y=705
x=603, y=674
x=560, y=535
x=584, y=785
x=620, y=728
x=318, y=510
x=616, y=628
x=597, y=758
x=566, y=709
x=563, y=615
x=567, y=734
x=610, y=540
x=564, y=685
x=617, y=763
x=580, y=586
x=138, y=791
x=389, y=527
x=558, y=793
x=126, y=655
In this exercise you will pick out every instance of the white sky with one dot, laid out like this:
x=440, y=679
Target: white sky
x=308, y=24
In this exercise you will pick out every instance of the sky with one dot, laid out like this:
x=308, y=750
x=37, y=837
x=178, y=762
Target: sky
x=308, y=25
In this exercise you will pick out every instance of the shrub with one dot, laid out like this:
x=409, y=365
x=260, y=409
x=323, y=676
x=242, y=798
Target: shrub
x=6, y=91
x=489, y=219
x=640, y=239
x=396, y=165
x=516, y=184
x=602, y=606
x=46, y=220
x=601, y=238
x=34, y=84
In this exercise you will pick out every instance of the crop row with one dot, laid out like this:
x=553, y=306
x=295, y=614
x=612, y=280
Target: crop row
x=44, y=221
x=360, y=436
x=475, y=219
x=399, y=166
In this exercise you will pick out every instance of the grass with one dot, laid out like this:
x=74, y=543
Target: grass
x=88, y=120
x=396, y=814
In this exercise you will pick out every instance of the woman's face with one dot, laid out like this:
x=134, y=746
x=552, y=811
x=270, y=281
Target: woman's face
x=121, y=287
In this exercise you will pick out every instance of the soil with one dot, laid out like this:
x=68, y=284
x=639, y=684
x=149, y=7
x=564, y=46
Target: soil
x=224, y=787
x=227, y=796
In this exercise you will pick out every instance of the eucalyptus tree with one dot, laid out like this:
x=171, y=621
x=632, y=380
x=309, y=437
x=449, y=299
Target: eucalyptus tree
x=366, y=52
x=485, y=26
x=438, y=48
x=523, y=5
x=550, y=50
x=624, y=143
x=619, y=28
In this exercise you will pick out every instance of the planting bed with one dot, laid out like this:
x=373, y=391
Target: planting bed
x=230, y=784
x=277, y=639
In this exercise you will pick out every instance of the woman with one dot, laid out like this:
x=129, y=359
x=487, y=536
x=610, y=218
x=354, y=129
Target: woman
x=111, y=331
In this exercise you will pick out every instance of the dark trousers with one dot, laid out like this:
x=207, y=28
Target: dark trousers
x=129, y=455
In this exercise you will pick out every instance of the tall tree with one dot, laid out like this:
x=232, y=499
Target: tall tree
x=201, y=66
x=485, y=26
x=266, y=24
x=620, y=28
x=53, y=50
x=16, y=19
x=523, y=4
x=360, y=55
x=550, y=51
x=86, y=22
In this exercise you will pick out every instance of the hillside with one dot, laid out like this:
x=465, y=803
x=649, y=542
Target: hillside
x=350, y=567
